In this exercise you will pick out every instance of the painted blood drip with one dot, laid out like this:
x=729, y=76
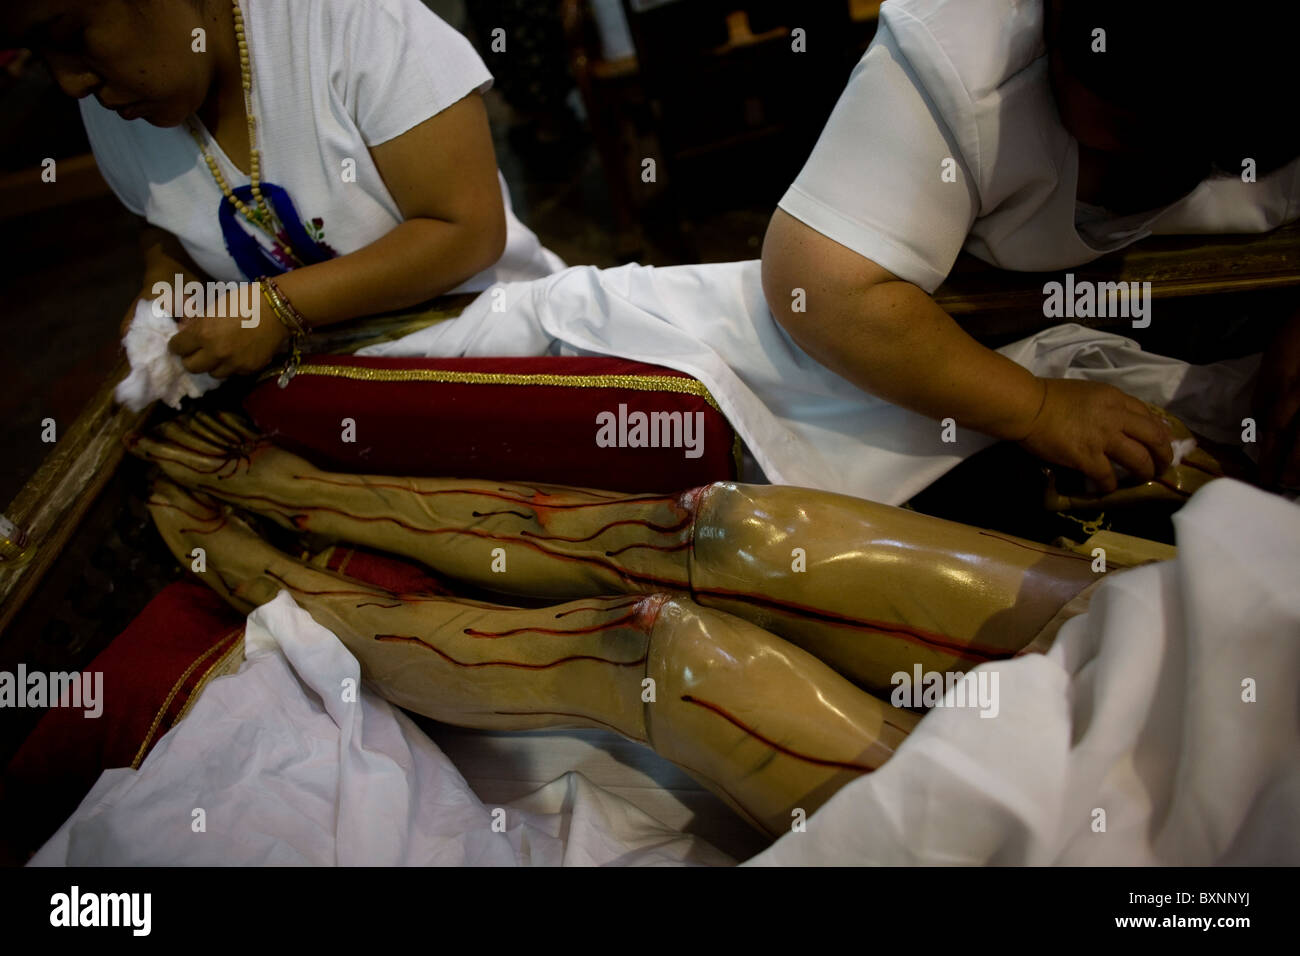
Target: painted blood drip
x=819, y=761
x=561, y=713
x=221, y=520
x=1051, y=553
x=607, y=607
x=537, y=500
x=915, y=635
x=295, y=514
x=593, y=629
x=403, y=639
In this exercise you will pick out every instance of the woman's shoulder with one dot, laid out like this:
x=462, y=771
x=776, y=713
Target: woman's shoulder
x=977, y=44
x=343, y=36
x=335, y=18
x=388, y=64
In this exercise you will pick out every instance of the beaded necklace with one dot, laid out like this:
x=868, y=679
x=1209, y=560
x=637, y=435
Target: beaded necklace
x=262, y=218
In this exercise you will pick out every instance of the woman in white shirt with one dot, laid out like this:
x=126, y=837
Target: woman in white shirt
x=1038, y=137
x=340, y=147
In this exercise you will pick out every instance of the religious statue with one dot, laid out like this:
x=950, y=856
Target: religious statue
x=750, y=634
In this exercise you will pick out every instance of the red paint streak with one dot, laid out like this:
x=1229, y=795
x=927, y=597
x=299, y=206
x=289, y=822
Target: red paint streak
x=608, y=607
x=915, y=635
x=662, y=548
x=222, y=520
x=232, y=590
x=507, y=496
x=377, y=592
x=593, y=629
x=843, y=765
x=561, y=713
x=737, y=804
x=224, y=462
x=155, y=503
x=538, y=493
x=298, y=519
x=1049, y=552
x=641, y=522
x=338, y=593
x=398, y=638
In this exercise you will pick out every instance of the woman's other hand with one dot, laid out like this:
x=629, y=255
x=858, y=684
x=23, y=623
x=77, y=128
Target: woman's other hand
x=1091, y=427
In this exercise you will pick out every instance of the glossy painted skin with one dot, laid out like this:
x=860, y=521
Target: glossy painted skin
x=869, y=589
x=716, y=626
x=696, y=685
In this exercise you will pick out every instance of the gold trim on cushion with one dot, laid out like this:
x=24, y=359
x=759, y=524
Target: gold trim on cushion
x=228, y=663
x=637, y=383
x=176, y=689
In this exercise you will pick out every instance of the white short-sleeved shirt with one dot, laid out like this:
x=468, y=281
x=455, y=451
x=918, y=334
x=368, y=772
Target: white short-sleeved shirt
x=331, y=78
x=967, y=80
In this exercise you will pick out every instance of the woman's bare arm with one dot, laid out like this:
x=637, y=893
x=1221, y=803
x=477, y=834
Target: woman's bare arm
x=443, y=176
x=891, y=339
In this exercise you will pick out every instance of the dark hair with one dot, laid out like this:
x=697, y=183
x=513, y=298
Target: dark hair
x=1218, y=76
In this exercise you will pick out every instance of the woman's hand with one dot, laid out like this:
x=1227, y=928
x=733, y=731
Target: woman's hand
x=1089, y=425
x=223, y=347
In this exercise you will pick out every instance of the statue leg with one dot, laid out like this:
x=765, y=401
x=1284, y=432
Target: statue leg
x=556, y=542
x=870, y=589
x=696, y=684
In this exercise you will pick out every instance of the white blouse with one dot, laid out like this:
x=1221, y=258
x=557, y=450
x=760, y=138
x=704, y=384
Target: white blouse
x=962, y=86
x=331, y=78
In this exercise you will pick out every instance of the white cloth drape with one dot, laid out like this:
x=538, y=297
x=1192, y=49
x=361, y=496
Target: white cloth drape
x=288, y=769
x=1169, y=713
x=804, y=424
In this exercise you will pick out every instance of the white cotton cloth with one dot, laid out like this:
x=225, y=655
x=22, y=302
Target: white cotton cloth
x=961, y=86
x=157, y=374
x=804, y=424
x=289, y=772
x=1140, y=710
x=1182, y=448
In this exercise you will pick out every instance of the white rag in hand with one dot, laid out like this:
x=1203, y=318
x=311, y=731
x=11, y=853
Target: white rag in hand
x=1182, y=448
x=156, y=374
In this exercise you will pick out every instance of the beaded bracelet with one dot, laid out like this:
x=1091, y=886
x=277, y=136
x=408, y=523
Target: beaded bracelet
x=292, y=320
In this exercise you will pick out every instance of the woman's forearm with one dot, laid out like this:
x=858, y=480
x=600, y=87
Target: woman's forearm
x=894, y=341
x=888, y=337
x=416, y=261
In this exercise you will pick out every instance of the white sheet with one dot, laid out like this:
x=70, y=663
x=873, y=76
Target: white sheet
x=1137, y=710
x=804, y=424
x=288, y=773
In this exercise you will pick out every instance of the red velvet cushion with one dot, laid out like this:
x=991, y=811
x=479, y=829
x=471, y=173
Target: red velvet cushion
x=151, y=671
x=517, y=419
x=384, y=571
